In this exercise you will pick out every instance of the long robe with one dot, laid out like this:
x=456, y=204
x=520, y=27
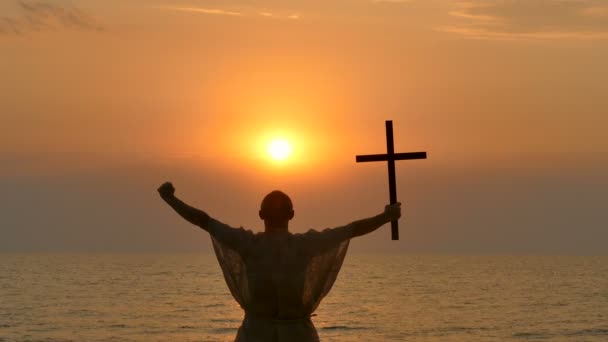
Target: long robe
x=279, y=278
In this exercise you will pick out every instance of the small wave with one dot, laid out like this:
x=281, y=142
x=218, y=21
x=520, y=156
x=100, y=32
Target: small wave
x=47, y=339
x=342, y=327
x=82, y=312
x=464, y=329
x=589, y=332
x=530, y=335
x=223, y=320
x=225, y=330
x=158, y=273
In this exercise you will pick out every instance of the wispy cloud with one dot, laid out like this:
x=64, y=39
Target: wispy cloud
x=391, y=1
x=215, y=11
x=596, y=11
x=530, y=19
x=230, y=12
x=34, y=16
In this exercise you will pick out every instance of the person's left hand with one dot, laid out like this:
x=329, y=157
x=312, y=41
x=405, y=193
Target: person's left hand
x=393, y=211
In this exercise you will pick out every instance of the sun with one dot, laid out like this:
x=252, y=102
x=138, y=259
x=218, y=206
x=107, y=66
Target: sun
x=279, y=149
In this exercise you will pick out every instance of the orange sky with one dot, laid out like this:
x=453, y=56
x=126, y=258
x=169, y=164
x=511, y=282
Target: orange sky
x=509, y=99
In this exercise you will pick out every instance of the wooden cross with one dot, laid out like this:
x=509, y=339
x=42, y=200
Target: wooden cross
x=390, y=157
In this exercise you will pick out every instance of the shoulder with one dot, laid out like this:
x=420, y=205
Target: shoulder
x=216, y=227
x=328, y=234
x=316, y=242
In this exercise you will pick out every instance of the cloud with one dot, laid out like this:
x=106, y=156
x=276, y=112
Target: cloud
x=596, y=11
x=391, y=1
x=215, y=11
x=531, y=19
x=34, y=16
x=234, y=13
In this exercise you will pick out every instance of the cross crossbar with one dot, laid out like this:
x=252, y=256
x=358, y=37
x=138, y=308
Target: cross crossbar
x=394, y=156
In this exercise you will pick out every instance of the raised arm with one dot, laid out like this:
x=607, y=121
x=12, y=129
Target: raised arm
x=391, y=212
x=320, y=242
x=191, y=214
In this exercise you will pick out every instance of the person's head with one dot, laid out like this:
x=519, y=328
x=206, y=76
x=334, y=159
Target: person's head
x=276, y=210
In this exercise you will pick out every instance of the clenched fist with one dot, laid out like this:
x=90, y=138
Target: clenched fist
x=166, y=190
x=393, y=211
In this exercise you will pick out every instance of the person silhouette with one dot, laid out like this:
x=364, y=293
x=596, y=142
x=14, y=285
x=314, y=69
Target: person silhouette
x=277, y=277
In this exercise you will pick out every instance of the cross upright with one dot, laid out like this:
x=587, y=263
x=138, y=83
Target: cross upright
x=390, y=157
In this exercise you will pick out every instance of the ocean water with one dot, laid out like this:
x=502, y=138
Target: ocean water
x=163, y=297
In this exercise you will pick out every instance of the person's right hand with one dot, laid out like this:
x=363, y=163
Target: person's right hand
x=166, y=190
x=393, y=211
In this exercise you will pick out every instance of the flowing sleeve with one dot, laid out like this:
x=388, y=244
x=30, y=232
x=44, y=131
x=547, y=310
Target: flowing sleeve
x=237, y=239
x=316, y=242
x=231, y=246
x=326, y=250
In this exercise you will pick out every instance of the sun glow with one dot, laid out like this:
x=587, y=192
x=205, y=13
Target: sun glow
x=279, y=149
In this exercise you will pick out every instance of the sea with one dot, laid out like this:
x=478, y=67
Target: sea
x=183, y=297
